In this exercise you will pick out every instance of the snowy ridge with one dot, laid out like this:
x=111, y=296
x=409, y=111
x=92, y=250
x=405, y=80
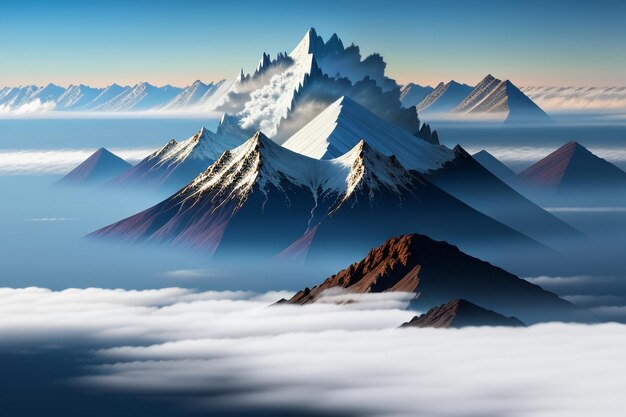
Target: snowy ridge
x=204, y=145
x=345, y=123
x=480, y=92
x=190, y=97
x=261, y=163
x=142, y=96
x=444, y=97
x=493, y=96
x=371, y=171
x=77, y=96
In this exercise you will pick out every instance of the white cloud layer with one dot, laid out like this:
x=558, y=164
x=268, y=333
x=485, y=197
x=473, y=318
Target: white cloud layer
x=58, y=161
x=578, y=98
x=526, y=154
x=325, y=357
x=35, y=106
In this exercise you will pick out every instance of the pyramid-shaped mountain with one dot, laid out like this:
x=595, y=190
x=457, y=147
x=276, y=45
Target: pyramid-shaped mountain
x=493, y=96
x=345, y=122
x=461, y=313
x=261, y=198
x=572, y=170
x=438, y=272
x=99, y=168
x=175, y=164
x=443, y=98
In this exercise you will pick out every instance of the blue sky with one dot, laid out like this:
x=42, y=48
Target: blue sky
x=99, y=42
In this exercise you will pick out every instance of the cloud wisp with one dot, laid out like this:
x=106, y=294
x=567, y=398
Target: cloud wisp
x=231, y=348
x=58, y=161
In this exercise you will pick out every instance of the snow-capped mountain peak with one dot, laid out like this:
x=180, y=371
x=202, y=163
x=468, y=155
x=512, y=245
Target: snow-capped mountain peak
x=344, y=123
x=370, y=171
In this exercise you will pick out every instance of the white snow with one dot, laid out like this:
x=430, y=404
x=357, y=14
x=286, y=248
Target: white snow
x=271, y=103
x=204, y=145
x=345, y=123
x=261, y=162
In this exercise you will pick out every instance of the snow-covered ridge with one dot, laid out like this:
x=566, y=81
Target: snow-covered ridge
x=260, y=163
x=345, y=123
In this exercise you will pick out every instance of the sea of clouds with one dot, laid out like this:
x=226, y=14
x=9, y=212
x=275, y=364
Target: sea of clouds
x=232, y=348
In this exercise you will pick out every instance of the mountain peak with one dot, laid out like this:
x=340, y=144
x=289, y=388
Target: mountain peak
x=100, y=167
x=339, y=128
x=572, y=168
x=460, y=313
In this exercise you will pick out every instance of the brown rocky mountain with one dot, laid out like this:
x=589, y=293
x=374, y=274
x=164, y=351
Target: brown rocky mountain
x=461, y=313
x=438, y=272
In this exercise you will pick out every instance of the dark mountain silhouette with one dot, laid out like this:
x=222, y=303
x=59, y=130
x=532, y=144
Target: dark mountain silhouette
x=470, y=182
x=461, y=313
x=495, y=166
x=573, y=174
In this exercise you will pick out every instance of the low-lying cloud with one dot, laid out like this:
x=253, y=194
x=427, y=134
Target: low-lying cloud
x=231, y=348
x=58, y=161
x=35, y=106
x=529, y=154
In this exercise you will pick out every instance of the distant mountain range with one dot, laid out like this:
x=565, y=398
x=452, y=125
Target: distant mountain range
x=114, y=98
x=490, y=97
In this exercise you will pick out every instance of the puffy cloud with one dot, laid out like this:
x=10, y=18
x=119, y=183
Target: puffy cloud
x=35, y=106
x=230, y=347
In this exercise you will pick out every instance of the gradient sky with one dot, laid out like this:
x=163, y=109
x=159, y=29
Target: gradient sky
x=99, y=42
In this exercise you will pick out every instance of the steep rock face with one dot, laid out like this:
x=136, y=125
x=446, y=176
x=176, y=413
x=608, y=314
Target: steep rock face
x=99, y=168
x=461, y=313
x=438, y=272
